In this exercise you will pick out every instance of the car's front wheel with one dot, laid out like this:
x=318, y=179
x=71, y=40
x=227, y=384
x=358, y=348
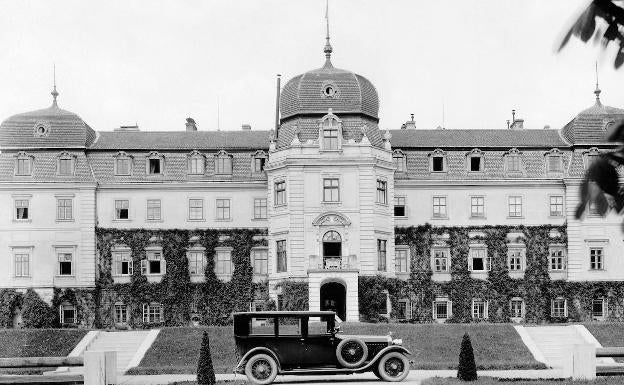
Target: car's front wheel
x=393, y=367
x=261, y=369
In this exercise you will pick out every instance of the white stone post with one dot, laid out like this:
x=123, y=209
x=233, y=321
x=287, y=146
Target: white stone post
x=581, y=362
x=100, y=368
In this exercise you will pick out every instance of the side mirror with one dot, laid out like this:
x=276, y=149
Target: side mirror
x=337, y=329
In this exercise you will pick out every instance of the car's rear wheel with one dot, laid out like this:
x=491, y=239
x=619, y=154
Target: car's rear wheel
x=393, y=367
x=351, y=352
x=376, y=373
x=261, y=369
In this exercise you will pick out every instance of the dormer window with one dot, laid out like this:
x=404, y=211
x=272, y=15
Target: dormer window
x=155, y=164
x=195, y=163
x=258, y=161
x=513, y=161
x=554, y=161
x=223, y=163
x=475, y=160
x=123, y=164
x=400, y=161
x=437, y=161
x=330, y=132
x=23, y=164
x=65, y=164
x=590, y=156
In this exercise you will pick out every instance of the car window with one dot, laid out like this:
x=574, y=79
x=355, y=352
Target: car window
x=261, y=326
x=318, y=326
x=289, y=326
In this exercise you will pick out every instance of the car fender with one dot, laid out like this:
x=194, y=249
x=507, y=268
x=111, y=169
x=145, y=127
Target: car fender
x=382, y=352
x=240, y=368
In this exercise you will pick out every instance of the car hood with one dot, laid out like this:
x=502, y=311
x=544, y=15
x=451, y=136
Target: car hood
x=365, y=338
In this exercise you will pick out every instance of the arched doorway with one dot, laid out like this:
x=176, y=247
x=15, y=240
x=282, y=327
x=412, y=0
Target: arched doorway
x=334, y=298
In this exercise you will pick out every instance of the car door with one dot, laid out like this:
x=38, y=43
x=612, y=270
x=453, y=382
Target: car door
x=319, y=343
x=288, y=341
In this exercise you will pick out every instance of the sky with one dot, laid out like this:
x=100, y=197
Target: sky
x=157, y=62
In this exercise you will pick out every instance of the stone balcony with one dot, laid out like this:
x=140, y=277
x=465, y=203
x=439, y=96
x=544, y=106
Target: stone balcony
x=344, y=263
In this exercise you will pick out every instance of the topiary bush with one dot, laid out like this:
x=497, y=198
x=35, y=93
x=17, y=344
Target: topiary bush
x=36, y=313
x=205, y=370
x=10, y=301
x=467, y=369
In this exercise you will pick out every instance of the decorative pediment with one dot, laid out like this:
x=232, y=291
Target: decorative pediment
x=223, y=154
x=24, y=155
x=331, y=219
x=553, y=152
x=398, y=154
x=259, y=154
x=122, y=154
x=592, y=151
x=66, y=155
x=474, y=152
x=195, y=154
x=512, y=152
x=437, y=152
x=155, y=155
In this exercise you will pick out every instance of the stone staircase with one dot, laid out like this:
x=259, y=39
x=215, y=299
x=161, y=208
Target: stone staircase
x=553, y=341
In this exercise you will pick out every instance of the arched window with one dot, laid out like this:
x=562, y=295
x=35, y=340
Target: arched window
x=554, y=161
x=475, y=160
x=23, y=163
x=330, y=132
x=195, y=163
x=223, y=163
x=513, y=161
x=66, y=163
x=258, y=161
x=590, y=156
x=437, y=161
x=332, y=236
x=155, y=164
x=123, y=163
x=400, y=161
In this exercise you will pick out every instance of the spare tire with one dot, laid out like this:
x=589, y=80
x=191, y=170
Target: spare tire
x=351, y=352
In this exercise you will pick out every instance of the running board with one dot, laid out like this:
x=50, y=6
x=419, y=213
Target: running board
x=322, y=371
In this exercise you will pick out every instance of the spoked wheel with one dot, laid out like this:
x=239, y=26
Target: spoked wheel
x=261, y=369
x=351, y=352
x=393, y=367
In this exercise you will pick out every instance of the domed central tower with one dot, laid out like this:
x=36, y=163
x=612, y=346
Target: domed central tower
x=309, y=96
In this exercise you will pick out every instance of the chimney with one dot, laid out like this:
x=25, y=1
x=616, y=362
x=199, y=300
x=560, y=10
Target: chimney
x=547, y=127
x=410, y=124
x=127, y=128
x=517, y=124
x=246, y=127
x=190, y=124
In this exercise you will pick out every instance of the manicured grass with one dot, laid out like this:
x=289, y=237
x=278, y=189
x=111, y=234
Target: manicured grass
x=434, y=346
x=608, y=334
x=39, y=342
x=496, y=381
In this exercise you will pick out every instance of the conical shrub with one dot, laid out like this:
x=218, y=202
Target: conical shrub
x=205, y=371
x=467, y=370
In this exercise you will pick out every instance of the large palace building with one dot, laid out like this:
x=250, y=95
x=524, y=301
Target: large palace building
x=327, y=195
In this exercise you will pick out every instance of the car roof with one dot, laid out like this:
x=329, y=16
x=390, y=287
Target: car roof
x=260, y=314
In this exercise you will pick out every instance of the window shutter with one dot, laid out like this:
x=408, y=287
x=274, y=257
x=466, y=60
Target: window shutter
x=144, y=267
x=162, y=313
x=145, y=312
x=433, y=307
x=163, y=265
x=130, y=266
x=485, y=309
x=449, y=309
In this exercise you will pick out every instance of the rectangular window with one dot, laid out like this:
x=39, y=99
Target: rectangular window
x=196, y=209
x=476, y=163
x=440, y=260
x=121, y=313
x=439, y=207
x=23, y=166
x=289, y=326
x=513, y=163
x=224, y=262
x=515, y=206
x=558, y=308
x=479, y=260
x=260, y=208
x=22, y=264
x=153, y=313
x=557, y=259
x=515, y=259
x=64, y=209
x=401, y=261
x=21, y=209
x=479, y=309
x=554, y=163
x=122, y=209
x=223, y=209
x=123, y=166
x=122, y=263
x=331, y=190
x=154, y=264
x=441, y=310
x=598, y=308
x=196, y=165
x=196, y=261
x=280, y=247
x=223, y=165
x=260, y=260
x=403, y=310
x=382, y=191
x=280, y=193
x=330, y=138
x=437, y=164
x=381, y=254
x=477, y=206
x=596, y=258
x=516, y=306
x=399, y=163
x=399, y=206
x=65, y=166
x=65, y=261
x=153, y=210
x=259, y=164
x=68, y=314
x=155, y=166
x=556, y=206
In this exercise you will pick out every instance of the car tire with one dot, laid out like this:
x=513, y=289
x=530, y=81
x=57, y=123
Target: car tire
x=261, y=369
x=376, y=372
x=393, y=367
x=351, y=352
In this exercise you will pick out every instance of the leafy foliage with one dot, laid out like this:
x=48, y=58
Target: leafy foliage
x=294, y=295
x=10, y=300
x=36, y=313
x=467, y=369
x=205, y=371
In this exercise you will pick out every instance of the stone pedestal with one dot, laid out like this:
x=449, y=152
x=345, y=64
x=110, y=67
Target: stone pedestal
x=100, y=368
x=580, y=362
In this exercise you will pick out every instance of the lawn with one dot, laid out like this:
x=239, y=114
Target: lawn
x=496, y=381
x=435, y=346
x=608, y=334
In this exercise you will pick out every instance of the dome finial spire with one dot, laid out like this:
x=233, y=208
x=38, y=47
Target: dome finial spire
x=597, y=90
x=328, y=48
x=54, y=93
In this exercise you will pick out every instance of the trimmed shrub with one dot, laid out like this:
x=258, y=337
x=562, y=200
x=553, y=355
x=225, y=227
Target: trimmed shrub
x=205, y=371
x=36, y=313
x=10, y=300
x=467, y=369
